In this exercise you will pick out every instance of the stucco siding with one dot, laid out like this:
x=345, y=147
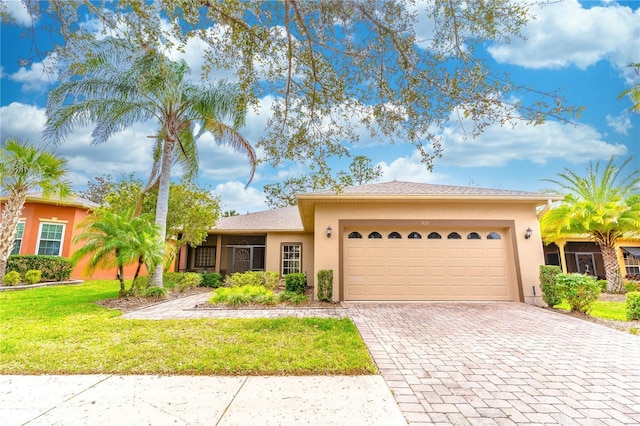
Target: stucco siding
x=273, y=256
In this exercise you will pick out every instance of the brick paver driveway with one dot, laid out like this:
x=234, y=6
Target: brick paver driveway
x=502, y=363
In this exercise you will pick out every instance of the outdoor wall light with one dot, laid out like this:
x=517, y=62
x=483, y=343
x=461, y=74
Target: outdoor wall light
x=528, y=233
x=329, y=230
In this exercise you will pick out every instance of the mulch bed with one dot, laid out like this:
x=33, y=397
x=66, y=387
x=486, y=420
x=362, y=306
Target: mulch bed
x=132, y=303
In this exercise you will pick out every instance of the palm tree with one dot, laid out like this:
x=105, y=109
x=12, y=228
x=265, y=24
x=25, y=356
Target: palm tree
x=112, y=239
x=120, y=85
x=24, y=168
x=603, y=205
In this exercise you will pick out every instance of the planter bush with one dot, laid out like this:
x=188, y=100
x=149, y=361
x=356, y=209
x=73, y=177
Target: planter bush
x=271, y=280
x=580, y=291
x=295, y=282
x=212, y=280
x=550, y=291
x=32, y=276
x=240, y=279
x=325, y=285
x=12, y=278
x=53, y=268
x=633, y=306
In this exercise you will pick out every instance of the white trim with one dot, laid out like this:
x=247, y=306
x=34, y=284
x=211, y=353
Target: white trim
x=24, y=226
x=64, y=228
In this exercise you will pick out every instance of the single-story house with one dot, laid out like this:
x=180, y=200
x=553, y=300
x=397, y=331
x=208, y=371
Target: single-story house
x=392, y=241
x=48, y=225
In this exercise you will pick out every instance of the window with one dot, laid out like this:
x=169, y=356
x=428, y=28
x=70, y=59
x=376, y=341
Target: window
x=205, y=257
x=50, y=241
x=434, y=236
x=493, y=236
x=18, y=241
x=414, y=236
x=473, y=236
x=631, y=256
x=454, y=236
x=394, y=236
x=291, y=258
x=355, y=235
x=375, y=235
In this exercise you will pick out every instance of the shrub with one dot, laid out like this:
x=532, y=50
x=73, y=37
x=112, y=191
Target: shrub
x=633, y=306
x=235, y=296
x=295, y=282
x=139, y=285
x=240, y=279
x=325, y=285
x=172, y=280
x=580, y=291
x=603, y=286
x=32, y=276
x=155, y=292
x=550, y=292
x=631, y=286
x=53, y=268
x=271, y=280
x=189, y=280
x=212, y=280
x=292, y=297
x=11, y=278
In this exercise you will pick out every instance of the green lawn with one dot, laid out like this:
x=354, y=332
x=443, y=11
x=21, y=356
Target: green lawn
x=607, y=310
x=59, y=330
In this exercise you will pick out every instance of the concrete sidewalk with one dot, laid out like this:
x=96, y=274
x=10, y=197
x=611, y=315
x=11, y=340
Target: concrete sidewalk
x=196, y=400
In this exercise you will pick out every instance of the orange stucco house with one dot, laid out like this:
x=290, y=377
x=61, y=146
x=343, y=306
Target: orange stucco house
x=392, y=241
x=48, y=226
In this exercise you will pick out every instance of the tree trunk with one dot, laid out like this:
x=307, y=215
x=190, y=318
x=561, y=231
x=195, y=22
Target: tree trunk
x=123, y=291
x=612, y=269
x=162, y=204
x=9, y=225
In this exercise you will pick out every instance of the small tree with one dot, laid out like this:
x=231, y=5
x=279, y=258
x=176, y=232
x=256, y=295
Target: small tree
x=119, y=239
x=25, y=168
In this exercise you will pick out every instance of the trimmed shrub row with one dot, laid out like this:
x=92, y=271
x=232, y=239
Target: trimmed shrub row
x=53, y=268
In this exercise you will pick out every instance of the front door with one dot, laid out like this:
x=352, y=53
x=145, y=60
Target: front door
x=242, y=259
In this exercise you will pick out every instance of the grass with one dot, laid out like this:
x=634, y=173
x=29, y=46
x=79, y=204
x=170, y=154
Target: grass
x=59, y=330
x=606, y=310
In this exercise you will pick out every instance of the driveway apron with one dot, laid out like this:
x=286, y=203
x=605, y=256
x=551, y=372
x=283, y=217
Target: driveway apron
x=501, y=363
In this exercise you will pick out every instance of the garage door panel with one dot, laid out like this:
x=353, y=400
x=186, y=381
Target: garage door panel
x=426, y=269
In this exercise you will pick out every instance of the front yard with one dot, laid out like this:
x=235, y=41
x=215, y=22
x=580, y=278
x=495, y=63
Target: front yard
x=61, y=330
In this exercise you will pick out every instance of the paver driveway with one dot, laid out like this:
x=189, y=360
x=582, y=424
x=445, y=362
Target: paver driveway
x=502, y=363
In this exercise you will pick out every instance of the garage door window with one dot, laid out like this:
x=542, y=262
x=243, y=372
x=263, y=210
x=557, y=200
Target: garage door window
x=414, y=236
x=291, y=258
x=374, y=235
x=355, y=235
x=493, y=236
x=394, y=236
x=454, y=236
x=434, y=236
x=473, y=236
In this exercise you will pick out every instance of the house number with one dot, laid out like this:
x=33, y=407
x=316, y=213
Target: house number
x=425, y=222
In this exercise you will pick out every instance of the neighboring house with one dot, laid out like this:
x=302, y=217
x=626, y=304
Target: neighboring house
x=393, y=241
x=47, y=226
x=580, y=254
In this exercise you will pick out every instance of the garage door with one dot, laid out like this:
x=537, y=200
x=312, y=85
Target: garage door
x=438, y=264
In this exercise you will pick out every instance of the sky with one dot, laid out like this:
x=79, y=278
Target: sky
x=581, y=48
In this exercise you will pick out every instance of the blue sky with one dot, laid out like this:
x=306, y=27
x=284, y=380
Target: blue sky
x=579, y=47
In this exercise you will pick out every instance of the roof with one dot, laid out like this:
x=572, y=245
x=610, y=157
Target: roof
x=282, y=219
x=71, y=201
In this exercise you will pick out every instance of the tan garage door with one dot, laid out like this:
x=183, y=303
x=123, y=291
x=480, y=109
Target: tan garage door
x=438, y=264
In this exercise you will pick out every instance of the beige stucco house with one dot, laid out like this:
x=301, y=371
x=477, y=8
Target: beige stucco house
x=392, y=241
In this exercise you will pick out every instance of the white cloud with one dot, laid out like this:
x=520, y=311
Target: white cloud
x=620, y=124
x=236, y=197
x=409, y=169
x=39, y=76
x=22, y=121
x=565, y=33
x=498, y=145
x=18, y=11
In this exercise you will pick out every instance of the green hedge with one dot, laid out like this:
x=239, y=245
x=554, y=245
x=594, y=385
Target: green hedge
x=633, y=306
x=295, y=282
x=211, y=279
x=550, y=291
x=325, y=285
x=580, y=291
x=54, y=268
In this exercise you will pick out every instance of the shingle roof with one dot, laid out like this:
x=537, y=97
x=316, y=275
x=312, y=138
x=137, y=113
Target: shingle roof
x=73, y=200
x=282, y=219
x=414, y=188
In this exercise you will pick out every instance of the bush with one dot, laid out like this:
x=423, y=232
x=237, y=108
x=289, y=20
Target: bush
x=240, y=279
x=12, y=278
x=292, y=297
x=633, y=306
x=632, y=286
x=53, y=268
x=271, y=280
x=32, y=276
x=295, y=282
x=139, y=285
x=189, y=280
x=243, y=295
x=212, y=280
x=171, y=280
x=580, y=291
x=158, y=292
x=325, y=285
x=550, y=292
x=603, y=286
